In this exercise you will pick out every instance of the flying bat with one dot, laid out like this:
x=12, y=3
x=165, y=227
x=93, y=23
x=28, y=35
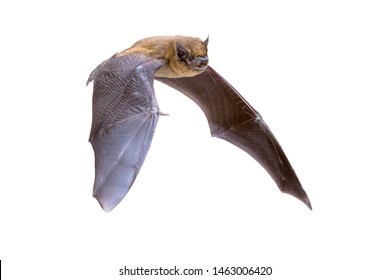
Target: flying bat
x=125, y=113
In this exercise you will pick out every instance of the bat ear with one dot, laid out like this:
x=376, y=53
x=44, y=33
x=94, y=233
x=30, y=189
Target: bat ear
x=182, y=52
x=206, y=42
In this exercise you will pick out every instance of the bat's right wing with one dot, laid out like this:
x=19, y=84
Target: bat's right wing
x=125, y=114
x=231, y=118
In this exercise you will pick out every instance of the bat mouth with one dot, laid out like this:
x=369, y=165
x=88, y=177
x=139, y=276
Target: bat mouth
x=199, y=68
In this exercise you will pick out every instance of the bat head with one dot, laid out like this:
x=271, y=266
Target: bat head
x=184, y=56
x=190, y=57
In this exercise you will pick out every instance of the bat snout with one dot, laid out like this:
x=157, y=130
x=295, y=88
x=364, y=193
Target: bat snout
x=200, y=63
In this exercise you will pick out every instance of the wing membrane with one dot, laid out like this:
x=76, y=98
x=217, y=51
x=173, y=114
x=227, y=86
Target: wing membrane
x=233, y=119
x=125, y=115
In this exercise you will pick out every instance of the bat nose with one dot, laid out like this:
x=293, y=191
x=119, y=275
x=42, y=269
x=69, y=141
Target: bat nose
x=201, y=61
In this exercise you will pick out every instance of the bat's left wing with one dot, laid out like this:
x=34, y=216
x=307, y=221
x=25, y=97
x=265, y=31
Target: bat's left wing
x=233, y=119
x=125, y=115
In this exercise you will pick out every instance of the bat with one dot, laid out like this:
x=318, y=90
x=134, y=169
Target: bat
x=125, y=114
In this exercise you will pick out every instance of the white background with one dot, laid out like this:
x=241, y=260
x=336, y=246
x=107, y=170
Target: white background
x=318, y=74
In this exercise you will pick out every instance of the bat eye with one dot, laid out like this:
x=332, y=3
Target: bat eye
x=189, y=61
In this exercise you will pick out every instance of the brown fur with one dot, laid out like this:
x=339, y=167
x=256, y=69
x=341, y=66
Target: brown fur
x=164, y=47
